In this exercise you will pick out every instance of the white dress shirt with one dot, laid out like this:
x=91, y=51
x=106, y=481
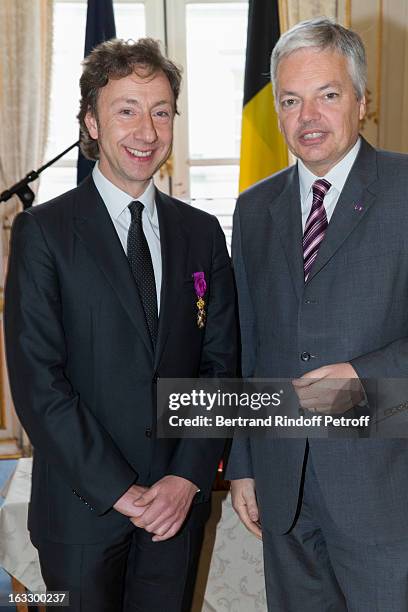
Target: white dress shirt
x=337, y=176
x=117, y=202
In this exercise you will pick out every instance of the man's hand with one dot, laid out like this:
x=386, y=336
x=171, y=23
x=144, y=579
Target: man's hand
x=168, y=501
x=125, y=506
x=331, y=389
x=245, y=504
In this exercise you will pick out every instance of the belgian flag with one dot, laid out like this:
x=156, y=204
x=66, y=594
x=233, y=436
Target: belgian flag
x=263, y=150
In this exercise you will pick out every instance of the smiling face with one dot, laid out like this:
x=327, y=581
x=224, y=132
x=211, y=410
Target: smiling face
x=134, y=129
x=319, y=113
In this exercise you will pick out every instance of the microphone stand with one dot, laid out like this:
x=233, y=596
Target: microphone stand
x=22, y=190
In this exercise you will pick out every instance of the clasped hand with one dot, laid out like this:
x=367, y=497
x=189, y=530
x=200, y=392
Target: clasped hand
x=332, y=389
x=160, y=509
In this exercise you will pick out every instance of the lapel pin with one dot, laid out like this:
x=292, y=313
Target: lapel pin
x=358, y=207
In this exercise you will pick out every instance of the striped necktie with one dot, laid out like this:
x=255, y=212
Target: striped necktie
x=316, y=225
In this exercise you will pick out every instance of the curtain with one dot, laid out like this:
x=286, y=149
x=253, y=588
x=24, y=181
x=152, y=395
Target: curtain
x=293, y=11
x=25, y=70
x=25, y=67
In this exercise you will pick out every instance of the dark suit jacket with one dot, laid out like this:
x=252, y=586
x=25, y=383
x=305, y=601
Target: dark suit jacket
x=81, y=365
x=354, y=307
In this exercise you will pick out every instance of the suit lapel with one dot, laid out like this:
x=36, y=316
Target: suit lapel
x=174, y=251
x=95, y=229
x=353, y=204
x=286, y=213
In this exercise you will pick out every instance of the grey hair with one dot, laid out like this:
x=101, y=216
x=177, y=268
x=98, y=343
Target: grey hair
x=323, y=33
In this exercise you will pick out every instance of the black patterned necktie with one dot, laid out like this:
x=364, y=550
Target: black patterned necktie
x=140, y=260
x=316, y=225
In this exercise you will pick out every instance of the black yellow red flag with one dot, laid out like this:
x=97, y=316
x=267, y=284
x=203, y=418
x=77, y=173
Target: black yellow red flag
x=263, y=150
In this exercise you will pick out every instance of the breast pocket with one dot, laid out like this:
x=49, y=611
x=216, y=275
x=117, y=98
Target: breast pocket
x=371, y=258
x=374, y=275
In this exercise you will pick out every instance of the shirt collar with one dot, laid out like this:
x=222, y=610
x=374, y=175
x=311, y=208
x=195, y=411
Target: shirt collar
x=337, y=176
x=116, y=200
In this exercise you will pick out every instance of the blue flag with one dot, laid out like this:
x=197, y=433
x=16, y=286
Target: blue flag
x=100, y=26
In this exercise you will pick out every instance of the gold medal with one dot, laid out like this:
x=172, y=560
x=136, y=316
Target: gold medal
x=200, y=287
x=200, y=313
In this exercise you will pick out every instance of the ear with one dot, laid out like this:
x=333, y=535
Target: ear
x=362, y=108
x=277, y=111
x=92, y=124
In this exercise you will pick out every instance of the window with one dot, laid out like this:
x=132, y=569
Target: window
x=208, y=39
x=69, y=19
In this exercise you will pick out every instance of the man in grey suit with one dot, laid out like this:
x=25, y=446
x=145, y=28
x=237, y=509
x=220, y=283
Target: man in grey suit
x=321, y=268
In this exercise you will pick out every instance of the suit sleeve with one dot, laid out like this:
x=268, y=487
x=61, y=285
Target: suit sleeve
x=239, y=463
x=59, y=424
x=197, y=459
x=390, y=361
x=383, y=374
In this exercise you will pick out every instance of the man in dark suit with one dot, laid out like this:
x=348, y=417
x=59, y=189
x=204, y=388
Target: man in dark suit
x=101, y=302
x=321, y=265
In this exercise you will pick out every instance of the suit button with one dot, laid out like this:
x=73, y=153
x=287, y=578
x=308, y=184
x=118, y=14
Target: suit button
x=305, y=356
x=155, y=378
x=148, y=432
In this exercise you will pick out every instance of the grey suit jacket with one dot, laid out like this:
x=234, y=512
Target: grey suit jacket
x=353, y=308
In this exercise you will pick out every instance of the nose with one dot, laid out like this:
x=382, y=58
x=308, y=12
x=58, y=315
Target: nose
x=309, y=111
x=145, y=129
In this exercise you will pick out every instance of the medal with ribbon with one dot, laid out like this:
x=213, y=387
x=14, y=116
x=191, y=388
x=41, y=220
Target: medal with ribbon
x=200, y=287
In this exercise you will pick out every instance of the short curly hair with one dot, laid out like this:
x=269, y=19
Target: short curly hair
x=116, y=59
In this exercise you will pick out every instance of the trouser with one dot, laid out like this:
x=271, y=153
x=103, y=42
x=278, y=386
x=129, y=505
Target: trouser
x=128, y=574
x=318, y=568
